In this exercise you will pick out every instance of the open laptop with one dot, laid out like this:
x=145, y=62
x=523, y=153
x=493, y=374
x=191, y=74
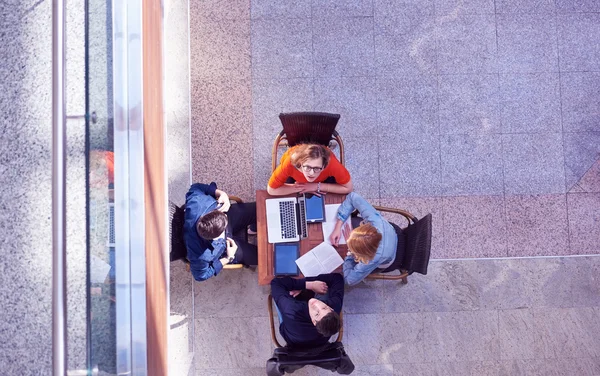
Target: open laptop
x=286, y=219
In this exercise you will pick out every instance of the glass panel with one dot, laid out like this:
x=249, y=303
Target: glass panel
x=101, y=209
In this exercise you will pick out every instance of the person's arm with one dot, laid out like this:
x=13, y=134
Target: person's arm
x=354, y=272
x=280, y=291
x=285, y=189
x=203, y=270
x=341, y=189
x=207, y=189
x=223, y=199
x=335, y=289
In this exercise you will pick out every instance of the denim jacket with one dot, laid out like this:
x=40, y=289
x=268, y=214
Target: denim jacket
x=203, y=254
x=355, y=272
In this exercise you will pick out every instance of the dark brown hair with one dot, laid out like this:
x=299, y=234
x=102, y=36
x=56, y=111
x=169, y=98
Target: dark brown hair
x=211, y=224
x=304, y=152
x=329, y=324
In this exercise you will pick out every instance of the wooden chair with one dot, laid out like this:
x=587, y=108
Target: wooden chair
x=331, y=356
x=177, y=250
x=414, y=247
x=307, y=127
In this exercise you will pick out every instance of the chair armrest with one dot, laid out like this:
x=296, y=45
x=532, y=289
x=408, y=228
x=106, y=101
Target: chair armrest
x=409, y=217
x=233, y=266
x=271, y=320
x=236, y=199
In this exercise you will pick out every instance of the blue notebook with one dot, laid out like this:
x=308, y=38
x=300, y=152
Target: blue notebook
x=286, y=255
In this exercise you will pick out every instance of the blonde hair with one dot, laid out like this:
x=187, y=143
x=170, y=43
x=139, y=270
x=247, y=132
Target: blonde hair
x=363, y=242
x=303, y=152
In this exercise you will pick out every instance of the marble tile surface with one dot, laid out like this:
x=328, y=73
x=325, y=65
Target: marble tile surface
x=564, y=6
x=409, y=166
x=342, y=46
x=460, y=7
x=405, y=44
x=584, y=222
x=525, y=6
x=580, y=93
x=363, y=165
x=220, y=9
x=527, y=43
x=530, y=103
x=468, y=104
x=343, y=8
x=535, y=226
x=467, y=44
x=471, y=165
x=270, y=9
x=533, y=164
x=220, y=48
x=581, y=154
x=395, y=7
x=282, y=48
x=577, y=43
x=474, y=226
x=517, y=335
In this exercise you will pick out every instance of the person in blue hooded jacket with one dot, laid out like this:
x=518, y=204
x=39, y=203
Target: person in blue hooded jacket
x=215, y=231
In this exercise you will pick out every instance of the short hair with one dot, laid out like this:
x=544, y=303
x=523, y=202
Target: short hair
x=303, y=152
x=364, y=240
x=329, y=324
x=211, y=224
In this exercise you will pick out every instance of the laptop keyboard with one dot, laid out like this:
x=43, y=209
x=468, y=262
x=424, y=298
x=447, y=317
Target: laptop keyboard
x=288, y=219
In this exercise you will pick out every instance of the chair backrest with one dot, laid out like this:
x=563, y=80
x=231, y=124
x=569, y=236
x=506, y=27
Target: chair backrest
x=178, y=250
x=418, y=246
x=309, y=127
x=331, y=357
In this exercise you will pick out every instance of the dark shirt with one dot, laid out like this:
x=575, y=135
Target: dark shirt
x=203, y=254
x=296, y=327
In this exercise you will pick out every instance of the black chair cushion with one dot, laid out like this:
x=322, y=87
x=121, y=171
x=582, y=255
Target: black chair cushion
x=309, y=127
x=177, y=216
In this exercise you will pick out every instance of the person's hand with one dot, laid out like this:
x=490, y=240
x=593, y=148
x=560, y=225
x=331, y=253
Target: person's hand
x=318, y=287
x=294, y=293
x=334, y=238
x=347, y=231
x=308, y=188
x=223, y=201
x=231, y=248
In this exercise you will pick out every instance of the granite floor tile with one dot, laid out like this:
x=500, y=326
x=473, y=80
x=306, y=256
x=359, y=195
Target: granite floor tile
x=233, y=294
x=581, y=154
x=474, y=226
x=180, y=289
x=398, y=7
x=405, y=44
x=30, y=361
x=545, y=367
x=407, y=105
x=354, y=98
x=461, y=336
x=578, y=45
x=220, y=48
x=484, y=368
x=263, y=9
x=359, y=370
x=468, y=104
x=226, y=344
x=343, y=46
x=530, y=103
x=365, y=297
x=467, y=44
x=525, y=6
x=567, y=282
x=409, y=166
x=471, y=165
x=362, y=337
x=450, y=8
x=343, y=8
x=580, y=93
x=527, y=43
x=220, y=9
x=517, y=336
x=282, y=48
x=535, y=225
x=564, y=6
x=533, y=163
x=590, y=182
x=584, y=222
x=363, y=164
x=567, y=333
x=419, y=207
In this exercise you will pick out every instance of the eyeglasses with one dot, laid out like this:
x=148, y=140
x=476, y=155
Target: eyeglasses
x=308, y=169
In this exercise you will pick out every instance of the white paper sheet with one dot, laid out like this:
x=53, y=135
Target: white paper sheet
x=98, y=270
x=320, y=260
x=330, y=220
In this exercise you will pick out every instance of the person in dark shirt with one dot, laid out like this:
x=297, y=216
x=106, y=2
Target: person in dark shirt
x=215, y=231
x=308, y=323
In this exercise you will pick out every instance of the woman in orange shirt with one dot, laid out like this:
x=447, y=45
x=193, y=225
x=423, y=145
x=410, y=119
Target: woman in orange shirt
x=309, y=168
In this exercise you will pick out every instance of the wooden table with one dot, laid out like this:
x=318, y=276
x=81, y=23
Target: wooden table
x=265, y=249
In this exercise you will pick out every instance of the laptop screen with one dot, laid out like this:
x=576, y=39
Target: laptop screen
x=285, y=258
x=315, y=208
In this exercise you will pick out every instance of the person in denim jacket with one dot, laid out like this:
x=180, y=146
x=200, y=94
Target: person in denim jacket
x=371, y=245
x=215, y=231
